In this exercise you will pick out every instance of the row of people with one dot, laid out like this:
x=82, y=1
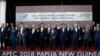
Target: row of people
x=55, y=36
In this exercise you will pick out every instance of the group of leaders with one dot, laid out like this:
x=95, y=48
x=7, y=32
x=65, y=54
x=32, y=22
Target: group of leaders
x=55, y=36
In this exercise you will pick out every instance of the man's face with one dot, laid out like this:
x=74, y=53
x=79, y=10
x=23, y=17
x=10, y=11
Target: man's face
x=11, y=24
x=42, y=25
x=7, y=24
x=52, y=27
x=68, y=25
x=2, y=25
x=33, y=26
x=21, y=25
x=63, y=26
x=26, y=26
x=97, y=25
x=93, y=22
x=75, y=25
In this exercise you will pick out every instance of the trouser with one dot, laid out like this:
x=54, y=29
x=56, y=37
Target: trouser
x=13, y=43
x=97, y=43
x=27, y=41
x=3, y=43
x=22, y=41
x=47, y=41
x=52, y=44
x=63, y=43
x=42, y=44
x=86, y=43
x=32, y=43
x=75, y=43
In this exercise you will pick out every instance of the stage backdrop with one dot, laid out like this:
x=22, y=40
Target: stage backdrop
x=54, y=14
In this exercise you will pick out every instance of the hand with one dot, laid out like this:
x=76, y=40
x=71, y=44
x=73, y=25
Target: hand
x=22, y=34
x=6, y=37
x=89, y=39
x=45, y=37
x=79, y=38
x=53, y=37
x=66, y=38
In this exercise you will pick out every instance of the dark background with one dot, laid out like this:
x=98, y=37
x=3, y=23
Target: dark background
x=11, y=6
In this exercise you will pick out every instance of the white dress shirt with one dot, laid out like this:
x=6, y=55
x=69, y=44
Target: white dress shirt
x=33, y=30
x=2, y=29
x=63, y=29
x=21, y=30
x=68, y=29
x=41, y=29
x=52, y=31
x=76, y=29
x=48, y=29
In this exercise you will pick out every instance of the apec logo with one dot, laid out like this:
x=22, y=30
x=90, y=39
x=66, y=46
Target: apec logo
x=87, y=15
x=23, y=16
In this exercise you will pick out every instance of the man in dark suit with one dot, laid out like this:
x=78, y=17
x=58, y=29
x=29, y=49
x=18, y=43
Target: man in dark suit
x=80, y=36
x=63, y=36
x=53, y=34
x=33, y=37
x=27, y=33
x=57, y=28
x=75, y=36
x=7, y=40
x=97, y=36
x=3, y=35
x=69, y=32
x=47, y=35
x=37, y=36
x=92, y=42
x=86, y=36
x=42, y=36
x=22, y=35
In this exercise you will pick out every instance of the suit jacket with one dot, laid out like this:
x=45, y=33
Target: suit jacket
x=53, y=34
x=4, y=33
x=87, y=35
x=27, y=32
x=23, y=32
x=69, y=32
x=33, y=35
x=97, y=34
x=47, y=33
x=62, y=34
x=75, y=35
x=13, y=34
x=58, y=33
x=42, y=34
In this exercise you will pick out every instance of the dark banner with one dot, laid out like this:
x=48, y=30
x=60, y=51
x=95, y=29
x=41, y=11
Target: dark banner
x=49, y=53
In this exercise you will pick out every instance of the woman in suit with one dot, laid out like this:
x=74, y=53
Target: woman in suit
x=13, y=35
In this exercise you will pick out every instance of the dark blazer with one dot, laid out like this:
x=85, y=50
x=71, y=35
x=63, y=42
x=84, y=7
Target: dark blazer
x=62, y=34
x=13, y=34
x=69, y=32
x=54, y=34
x=42, y=34
x=47, y=33
x=87, y=35
x=75, y=35
x=24, y=31
x=33, y=35
x=97, y=34
x=3, y=34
